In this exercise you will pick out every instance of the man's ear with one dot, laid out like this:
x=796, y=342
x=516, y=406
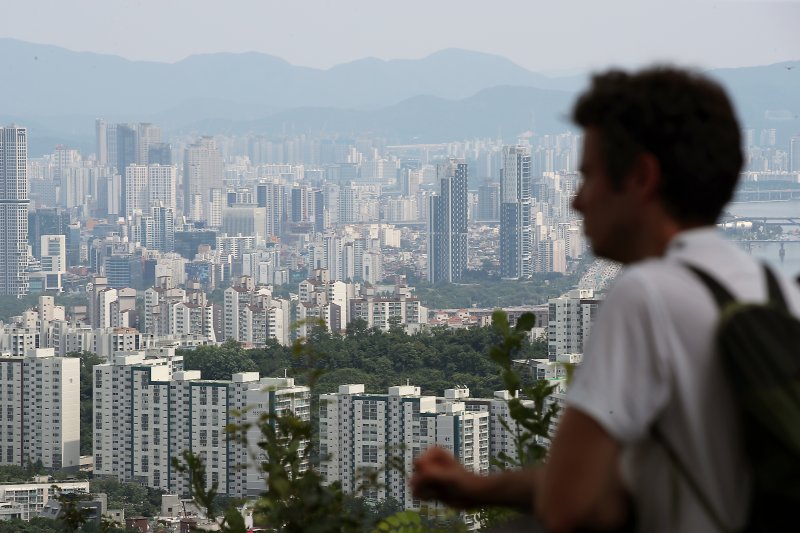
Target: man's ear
x=645, y=176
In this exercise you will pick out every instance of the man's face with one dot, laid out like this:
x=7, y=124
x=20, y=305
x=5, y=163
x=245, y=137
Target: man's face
x=609, y=215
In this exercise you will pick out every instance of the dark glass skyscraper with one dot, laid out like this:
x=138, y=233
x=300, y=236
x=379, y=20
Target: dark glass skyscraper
x=447, y=224
x=516, y=225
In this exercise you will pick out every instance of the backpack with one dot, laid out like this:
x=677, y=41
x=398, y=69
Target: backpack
x=759, y=344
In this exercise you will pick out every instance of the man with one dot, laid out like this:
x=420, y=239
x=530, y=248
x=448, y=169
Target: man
x=661, y=158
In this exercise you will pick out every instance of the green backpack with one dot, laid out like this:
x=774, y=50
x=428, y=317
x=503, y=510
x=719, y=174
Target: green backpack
x=760, y=348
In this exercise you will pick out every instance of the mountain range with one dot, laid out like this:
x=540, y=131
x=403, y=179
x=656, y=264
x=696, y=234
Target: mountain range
x=449, y=95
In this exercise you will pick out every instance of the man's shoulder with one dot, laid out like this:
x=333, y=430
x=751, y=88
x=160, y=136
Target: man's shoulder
x=641, y=279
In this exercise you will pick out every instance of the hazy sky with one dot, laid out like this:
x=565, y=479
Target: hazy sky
x=539, y=35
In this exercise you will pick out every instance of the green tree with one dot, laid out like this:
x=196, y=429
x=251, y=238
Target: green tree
x=219, y=362
x=134, y=498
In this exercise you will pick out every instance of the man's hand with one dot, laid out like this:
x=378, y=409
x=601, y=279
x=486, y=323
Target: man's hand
x=439, y=476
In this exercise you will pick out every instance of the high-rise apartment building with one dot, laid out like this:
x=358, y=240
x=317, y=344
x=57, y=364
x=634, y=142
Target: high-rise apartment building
x=488, y=203
x=551, y=256
x=516, y=227
x=362, y=434
x=147, y=186
x=165, y=410
x=447, y=224
x=54, y=254
x=253, y=317
x=147, y=136
x=40, y=410
x=136, y=194
x=161, y=186
x=158, y=229
x=13, y=211
x=794, y=154
x=569, y=322
x=272, y=196
x=101, y=137
x=202, y=172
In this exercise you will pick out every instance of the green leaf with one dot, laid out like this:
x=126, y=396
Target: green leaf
x=234, y=521
x=526, y=322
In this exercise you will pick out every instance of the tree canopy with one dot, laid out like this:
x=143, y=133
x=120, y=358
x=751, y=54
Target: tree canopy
x=434, y=360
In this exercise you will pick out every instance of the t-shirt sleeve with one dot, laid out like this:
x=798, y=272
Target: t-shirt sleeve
x=622, y=383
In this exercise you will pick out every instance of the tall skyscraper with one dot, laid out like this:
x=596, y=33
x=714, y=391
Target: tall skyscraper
x=159, y=154
x=202, y=171
x=102, y=141
x=13, y=210
x=136, y=194
x=126, y=156
x=272, y=195
x=162, y=181
x=794, y=153
x=489, y=202
x=147, y=135
x=447, y=224
x=516, y=232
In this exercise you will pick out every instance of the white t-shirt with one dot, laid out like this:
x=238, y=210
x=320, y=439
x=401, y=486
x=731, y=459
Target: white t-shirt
x=650, y=359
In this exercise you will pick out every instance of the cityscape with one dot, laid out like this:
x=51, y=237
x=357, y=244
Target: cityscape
x=200, y=286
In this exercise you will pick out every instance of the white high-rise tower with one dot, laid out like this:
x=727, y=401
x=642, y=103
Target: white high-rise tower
x=13, y=210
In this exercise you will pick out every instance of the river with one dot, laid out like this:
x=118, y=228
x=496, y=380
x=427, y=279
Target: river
x=770, y=251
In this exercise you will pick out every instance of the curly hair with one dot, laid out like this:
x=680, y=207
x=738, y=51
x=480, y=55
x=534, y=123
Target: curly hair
x=683, y=119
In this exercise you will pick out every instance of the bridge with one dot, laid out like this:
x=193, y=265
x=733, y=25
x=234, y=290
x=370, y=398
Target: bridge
x=765, y=221
x=766, y=195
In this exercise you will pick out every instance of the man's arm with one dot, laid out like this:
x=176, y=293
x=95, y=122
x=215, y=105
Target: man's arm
x=578, y=487
x=439, y=476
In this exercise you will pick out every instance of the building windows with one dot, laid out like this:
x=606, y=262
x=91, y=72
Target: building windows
x=369, y=432
x=369, y=453
x=369, y=410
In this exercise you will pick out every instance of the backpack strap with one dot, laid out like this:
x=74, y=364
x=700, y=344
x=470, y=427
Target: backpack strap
x=721, y=295
x=774, y=289
x=680, y=467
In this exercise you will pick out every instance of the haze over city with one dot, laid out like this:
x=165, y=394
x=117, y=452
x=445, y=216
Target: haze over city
x=540, y=36
x=192, y=192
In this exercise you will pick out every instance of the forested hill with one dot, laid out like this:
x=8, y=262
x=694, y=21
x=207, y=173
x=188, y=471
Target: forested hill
x=434, y=360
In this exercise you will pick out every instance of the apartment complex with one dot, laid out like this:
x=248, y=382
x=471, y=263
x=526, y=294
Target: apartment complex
x=253, y=316
x=148, y=410
x=363, y=434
